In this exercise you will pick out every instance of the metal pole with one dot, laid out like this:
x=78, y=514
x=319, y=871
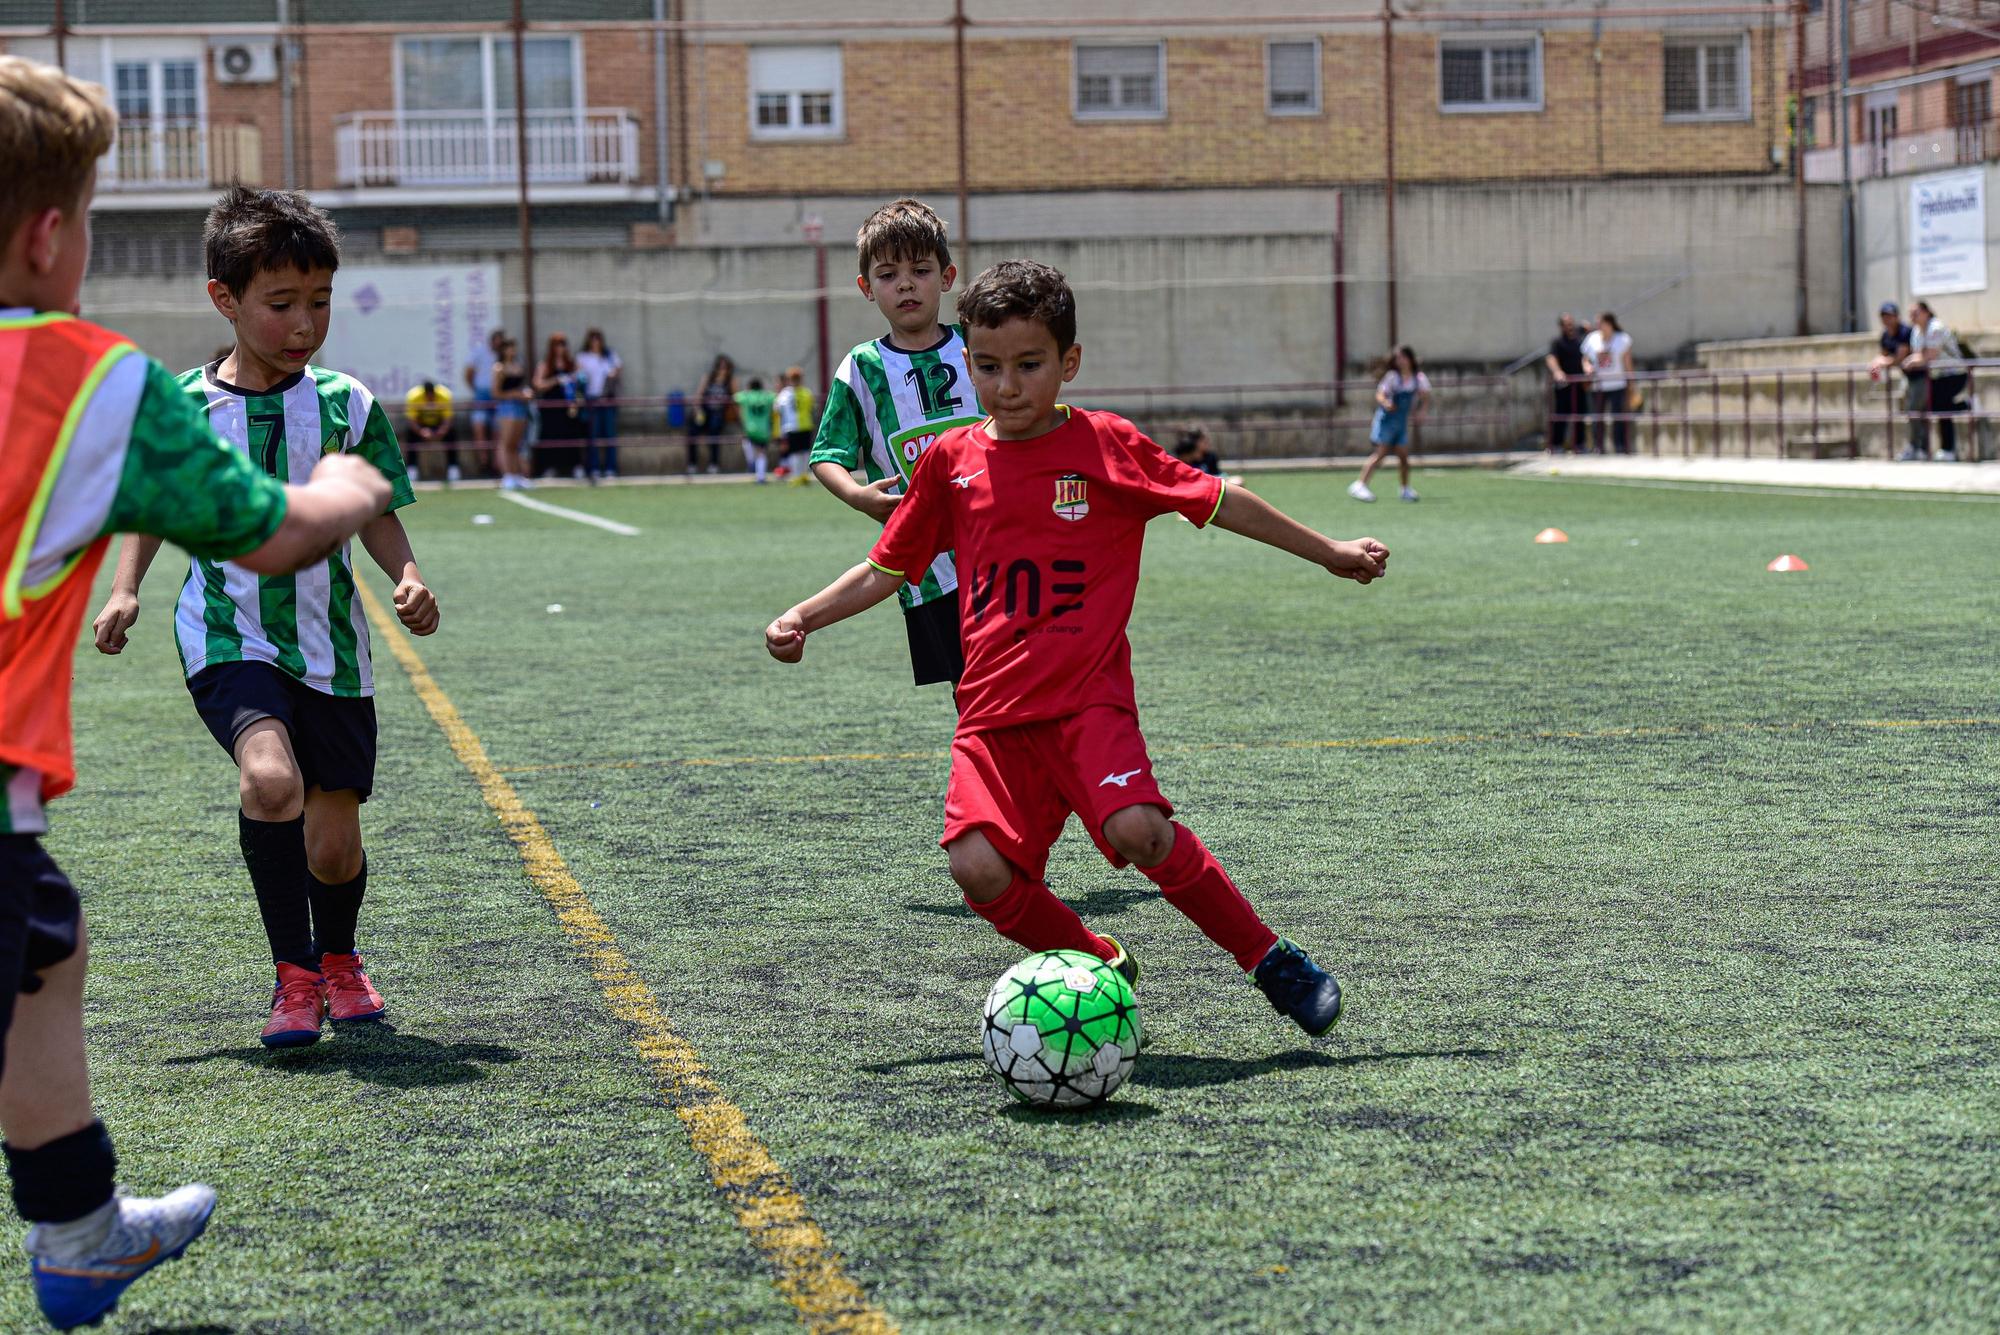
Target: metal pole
x=817, y=232
x=288, y=55
x=958, y=88
x=1799, y=300
x=662, y=171
x=62, y=36
x=685, y=172
x=1847, y=324
x=520, y=27
x=1389, y=158
x=1339, y=298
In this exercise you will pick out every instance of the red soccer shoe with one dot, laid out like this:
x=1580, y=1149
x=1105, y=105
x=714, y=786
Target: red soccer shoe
x=297, y=1006
x=349, y=994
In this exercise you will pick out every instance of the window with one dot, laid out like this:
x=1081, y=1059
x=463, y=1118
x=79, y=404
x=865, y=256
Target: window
x=1291, y=76
x=1121, y=82
x=1490, y=73
x=475, y=75
x=1708, y=78
x=795, y=92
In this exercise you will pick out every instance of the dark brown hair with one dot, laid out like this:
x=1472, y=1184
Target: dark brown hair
x=907, y=229
x=252, y=231
x=1021, y=290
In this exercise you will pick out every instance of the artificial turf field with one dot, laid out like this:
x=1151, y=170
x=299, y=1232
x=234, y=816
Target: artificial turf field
x=1663, y=890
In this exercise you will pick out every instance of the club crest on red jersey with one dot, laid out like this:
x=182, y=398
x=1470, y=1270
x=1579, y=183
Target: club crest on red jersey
x=1072, y=496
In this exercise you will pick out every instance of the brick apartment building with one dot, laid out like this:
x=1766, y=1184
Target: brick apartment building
x=402, y=116
x=1920, y=88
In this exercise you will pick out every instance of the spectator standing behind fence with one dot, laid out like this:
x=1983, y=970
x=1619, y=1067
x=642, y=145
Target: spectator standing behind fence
x=1608, y=353
x=795, y=426
x=1895, y=341
x=1400, y=403
x=429, y=421
x=754, y=406
x=714, y=402
x=1196, y=450
x=558, y=397
x=598, y=368
x=1569, y=396
x=1933, y=349
x=512, y=396
x=479, y=379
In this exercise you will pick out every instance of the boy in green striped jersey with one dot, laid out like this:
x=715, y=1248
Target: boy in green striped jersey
x=278, y=665
x=891, y=398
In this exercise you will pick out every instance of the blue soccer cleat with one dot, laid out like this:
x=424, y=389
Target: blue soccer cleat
x=1299, y=988
x=81, y=1291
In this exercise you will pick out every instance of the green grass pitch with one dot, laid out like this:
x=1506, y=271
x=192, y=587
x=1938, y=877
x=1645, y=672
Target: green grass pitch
x=1663, y=890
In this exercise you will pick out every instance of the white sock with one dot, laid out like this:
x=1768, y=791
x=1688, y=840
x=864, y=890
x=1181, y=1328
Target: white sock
x=76, y=1240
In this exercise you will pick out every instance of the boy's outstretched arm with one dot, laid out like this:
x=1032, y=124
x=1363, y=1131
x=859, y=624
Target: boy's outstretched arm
x=856, y=591
x=389, y=544
x=1361, y=560
x=121, y=609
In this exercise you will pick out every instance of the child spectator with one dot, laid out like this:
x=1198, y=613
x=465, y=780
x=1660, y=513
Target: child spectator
x=1400, y=403
x=714, y=402
x=795, y=425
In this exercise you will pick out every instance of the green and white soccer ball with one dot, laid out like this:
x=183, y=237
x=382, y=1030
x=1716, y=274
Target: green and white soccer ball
x=1062, y=1029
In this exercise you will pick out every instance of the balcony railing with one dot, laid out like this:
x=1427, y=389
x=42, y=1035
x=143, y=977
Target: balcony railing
x=180, y=155
x=433, y=148
x=1927, y=150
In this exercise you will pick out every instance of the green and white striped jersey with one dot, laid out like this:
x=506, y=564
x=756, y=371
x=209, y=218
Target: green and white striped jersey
x=309, y=624
x=884, y=409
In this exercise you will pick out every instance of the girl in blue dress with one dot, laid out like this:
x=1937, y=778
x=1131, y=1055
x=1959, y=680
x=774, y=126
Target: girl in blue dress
x=1400, y=402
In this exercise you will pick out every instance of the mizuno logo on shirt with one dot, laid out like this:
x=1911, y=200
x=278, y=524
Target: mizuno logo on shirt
x=965, y=481
x=1120, y=779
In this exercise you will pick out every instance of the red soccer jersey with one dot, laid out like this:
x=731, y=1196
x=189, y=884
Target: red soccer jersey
x=1047, y=534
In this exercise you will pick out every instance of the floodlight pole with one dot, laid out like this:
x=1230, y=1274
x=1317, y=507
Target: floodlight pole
x=1799, y=300
x=520, y=27
x=958, y=42
x=1847, y=325
x=1389, y=158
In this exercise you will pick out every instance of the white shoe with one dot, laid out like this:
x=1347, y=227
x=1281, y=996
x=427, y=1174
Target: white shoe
x=1947, y=456
x=451, y=473
x=524, y=483
x=1359, y=490
x=577, y=472
x=81, y=1269
x=1909, y=454
x=1407, y=494
x=715, y=468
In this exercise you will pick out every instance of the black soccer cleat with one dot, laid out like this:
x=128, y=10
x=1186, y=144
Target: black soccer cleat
x=1299, y=988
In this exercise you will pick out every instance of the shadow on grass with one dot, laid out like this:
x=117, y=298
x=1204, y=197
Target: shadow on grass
x=1176, y=1071
x=1105, y=899
x=1112, y=1113
x=376, y=1053
x=190, y=1330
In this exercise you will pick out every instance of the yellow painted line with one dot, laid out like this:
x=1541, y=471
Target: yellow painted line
x=768, y=1207
x=1313, y=744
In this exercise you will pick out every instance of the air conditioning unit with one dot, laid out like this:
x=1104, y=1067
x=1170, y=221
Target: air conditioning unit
x=244, y=60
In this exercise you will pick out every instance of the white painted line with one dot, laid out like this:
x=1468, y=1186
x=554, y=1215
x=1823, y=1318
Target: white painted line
x=1758, y=489
x=563, y=512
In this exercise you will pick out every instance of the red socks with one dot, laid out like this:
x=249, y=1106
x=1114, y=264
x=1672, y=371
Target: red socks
x=1195, y=883
x=1028, y=914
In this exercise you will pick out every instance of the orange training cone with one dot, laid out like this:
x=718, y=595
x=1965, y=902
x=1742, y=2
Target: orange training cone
x=1552, y=535
x=1788, y=562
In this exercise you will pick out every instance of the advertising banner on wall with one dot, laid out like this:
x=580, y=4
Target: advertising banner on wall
x=1948, y=233
x=396, y=325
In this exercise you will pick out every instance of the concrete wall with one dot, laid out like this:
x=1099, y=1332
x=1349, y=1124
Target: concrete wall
x=1484, y=269
x=1882, y=254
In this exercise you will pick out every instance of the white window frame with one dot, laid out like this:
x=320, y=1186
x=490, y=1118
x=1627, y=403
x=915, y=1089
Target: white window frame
x=1079, y=112
x=1702, y=41
x=1318, y=103
x=153, y=52
x=490, y=109
x=1486, y=41
x=793, y=130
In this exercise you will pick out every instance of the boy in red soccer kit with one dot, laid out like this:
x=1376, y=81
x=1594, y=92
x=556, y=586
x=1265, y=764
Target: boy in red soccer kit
x=1046, y=506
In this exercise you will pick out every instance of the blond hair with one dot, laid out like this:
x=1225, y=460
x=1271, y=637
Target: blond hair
x=907, y=229
x=53, y=129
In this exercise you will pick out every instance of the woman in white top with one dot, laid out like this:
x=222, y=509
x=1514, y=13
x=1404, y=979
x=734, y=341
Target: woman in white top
x=1931, y=343
x=597, y=368
x=1607, y=358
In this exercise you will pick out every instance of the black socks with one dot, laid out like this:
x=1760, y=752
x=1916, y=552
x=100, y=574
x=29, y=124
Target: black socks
x=65, y=1179
x=334, y=911
x=275, y=853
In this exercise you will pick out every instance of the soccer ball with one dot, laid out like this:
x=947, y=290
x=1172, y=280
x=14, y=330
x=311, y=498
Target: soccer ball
x=1062, y=1029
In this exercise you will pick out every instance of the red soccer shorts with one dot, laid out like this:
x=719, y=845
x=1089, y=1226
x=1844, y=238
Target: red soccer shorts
x=1018, y=785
